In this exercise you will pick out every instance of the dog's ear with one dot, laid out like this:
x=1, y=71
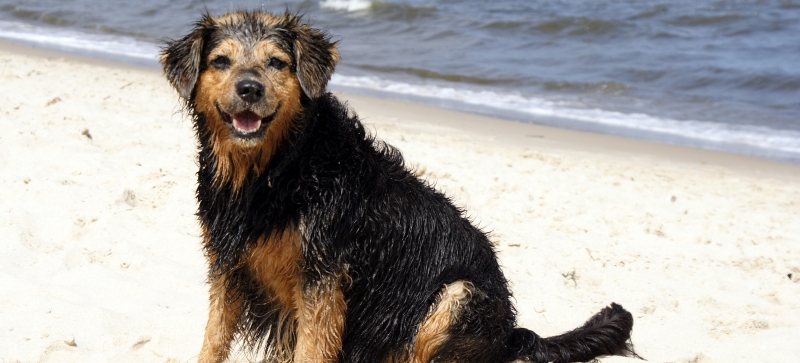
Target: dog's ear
x=316, y=56
x=181, y=58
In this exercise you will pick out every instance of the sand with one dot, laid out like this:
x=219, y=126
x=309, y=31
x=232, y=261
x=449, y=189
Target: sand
x=100, y=259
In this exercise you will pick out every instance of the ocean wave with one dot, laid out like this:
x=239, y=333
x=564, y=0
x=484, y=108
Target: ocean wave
x=449, y=77
x=51, y=18
x=654, y=11
x=402, y=12
x=572, y=26
x=346, y=5
x=578, y=26
x=63, y=39
x=425, y=74
x=587, y=87
x=751, y=136
x=707, y=20
x=777, y=80
x=382, y=9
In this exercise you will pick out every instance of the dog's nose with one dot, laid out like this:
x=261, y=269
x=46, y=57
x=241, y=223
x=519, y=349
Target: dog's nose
x=250, y=91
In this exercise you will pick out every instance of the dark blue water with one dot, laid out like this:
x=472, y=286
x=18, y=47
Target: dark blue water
x=720, y=75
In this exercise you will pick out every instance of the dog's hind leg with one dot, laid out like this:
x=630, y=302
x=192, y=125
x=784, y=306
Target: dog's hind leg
x=463, y=326
x=467, y=324
x=435, y=329
x=223, y=316
x=606, y=333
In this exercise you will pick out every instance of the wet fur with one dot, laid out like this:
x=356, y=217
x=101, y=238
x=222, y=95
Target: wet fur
x=322, y=245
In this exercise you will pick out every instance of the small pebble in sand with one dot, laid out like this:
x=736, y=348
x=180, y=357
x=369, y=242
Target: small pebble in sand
x=52, y=101
x=26, y=180
x=86, y=133
x=129, y=197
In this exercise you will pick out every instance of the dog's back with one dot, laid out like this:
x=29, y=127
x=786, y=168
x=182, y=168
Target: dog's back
x=322, y=245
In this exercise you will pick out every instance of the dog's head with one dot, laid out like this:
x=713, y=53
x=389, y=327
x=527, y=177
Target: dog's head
x=249, y=68
x=247, y=73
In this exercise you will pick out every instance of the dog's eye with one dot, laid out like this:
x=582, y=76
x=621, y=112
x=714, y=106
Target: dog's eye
x=221, y=62
x=276, y=63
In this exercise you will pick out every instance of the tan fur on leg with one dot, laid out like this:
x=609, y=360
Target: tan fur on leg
x=434, y=329
x=316, y=313
x=222, y=319
x=274, y=262
x=321, y=317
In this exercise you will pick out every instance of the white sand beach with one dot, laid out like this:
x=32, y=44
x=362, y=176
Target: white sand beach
x=101, y=260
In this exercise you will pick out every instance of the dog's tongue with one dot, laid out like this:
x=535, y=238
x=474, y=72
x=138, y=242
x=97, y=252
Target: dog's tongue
x=246, y=121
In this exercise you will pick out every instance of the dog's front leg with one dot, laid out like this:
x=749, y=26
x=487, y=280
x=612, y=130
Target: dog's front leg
x=223, y=317
x=321, y=317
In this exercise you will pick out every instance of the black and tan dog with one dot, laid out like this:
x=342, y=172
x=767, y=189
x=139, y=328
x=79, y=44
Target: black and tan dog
x=322, y=245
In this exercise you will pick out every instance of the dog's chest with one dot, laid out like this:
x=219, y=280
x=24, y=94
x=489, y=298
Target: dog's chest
x=275, y=263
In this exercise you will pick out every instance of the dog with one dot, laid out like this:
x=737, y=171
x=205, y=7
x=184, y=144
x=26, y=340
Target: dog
x=322, y=245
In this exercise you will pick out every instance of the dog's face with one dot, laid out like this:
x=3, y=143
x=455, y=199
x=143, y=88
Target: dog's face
x=247, y=85
x=245, y=71
x=247, y=74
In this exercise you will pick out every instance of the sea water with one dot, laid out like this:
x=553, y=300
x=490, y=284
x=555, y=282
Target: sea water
x=722, y=75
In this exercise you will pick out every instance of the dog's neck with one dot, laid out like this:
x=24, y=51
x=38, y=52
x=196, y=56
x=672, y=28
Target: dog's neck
x=290, y=152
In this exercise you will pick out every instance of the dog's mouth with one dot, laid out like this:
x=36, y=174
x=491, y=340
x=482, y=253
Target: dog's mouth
x=247, y=124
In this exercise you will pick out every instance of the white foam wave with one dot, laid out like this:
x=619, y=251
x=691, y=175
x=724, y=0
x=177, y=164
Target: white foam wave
x=744, y=135
x=68, y=39
x=346, y=5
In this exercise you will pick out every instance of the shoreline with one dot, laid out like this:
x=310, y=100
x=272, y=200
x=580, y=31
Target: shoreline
x=505, y=131
x=102, y=261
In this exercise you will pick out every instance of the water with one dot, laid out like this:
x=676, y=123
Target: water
x=718, y=75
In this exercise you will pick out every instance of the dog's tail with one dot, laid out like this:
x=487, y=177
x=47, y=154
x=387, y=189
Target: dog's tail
x=606, y=333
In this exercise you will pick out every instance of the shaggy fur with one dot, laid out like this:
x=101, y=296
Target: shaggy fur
x=322, y=245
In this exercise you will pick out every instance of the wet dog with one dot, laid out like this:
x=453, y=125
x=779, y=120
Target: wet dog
x=322, y=246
